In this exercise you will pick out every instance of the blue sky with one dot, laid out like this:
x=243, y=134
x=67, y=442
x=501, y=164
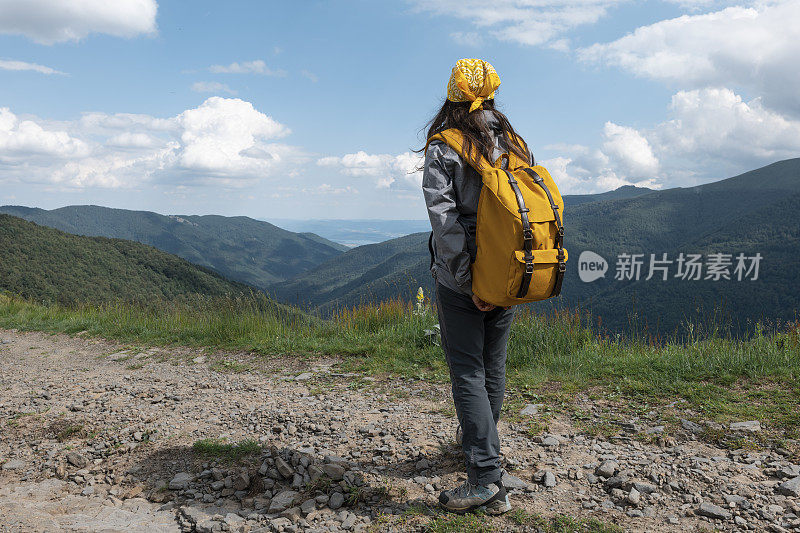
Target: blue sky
x=309, y=109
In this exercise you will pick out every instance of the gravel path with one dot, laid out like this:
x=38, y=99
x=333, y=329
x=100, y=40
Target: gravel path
x=96, y=436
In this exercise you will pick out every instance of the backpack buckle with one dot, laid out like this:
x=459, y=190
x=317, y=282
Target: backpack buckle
x=529, y=268
x=562, y=267
x=527, y=234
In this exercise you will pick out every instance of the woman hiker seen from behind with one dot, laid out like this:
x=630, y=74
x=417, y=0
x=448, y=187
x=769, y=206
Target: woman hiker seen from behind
x=467, y=133
x=474, y=333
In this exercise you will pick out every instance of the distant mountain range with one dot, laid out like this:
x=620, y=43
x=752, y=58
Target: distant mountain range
x=621, y=193
x=354, y=232
x=358, y=232
x=756, y=212
x=241, y=248
x=47, y=265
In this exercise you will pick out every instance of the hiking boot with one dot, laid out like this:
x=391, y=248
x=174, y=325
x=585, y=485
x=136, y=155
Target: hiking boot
x=491, y=498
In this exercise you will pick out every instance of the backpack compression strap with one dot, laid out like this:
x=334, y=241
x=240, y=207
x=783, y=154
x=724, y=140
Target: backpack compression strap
x=527, y=236
x=562, y=266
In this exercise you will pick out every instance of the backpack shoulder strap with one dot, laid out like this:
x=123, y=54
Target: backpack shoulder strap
x=455, y=140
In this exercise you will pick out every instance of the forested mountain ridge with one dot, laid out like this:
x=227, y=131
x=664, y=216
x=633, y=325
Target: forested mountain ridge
x=754, y=212
x=48, y=265
x=241, y=248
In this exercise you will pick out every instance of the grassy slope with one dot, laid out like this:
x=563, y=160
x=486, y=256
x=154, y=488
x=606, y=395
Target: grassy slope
x=49, y=265
x=241, y=248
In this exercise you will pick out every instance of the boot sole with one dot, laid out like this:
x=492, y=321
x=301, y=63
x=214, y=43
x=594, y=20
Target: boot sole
x=492, y=507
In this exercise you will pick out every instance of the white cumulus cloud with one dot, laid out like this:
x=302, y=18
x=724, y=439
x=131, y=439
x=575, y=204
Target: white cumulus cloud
x=388, y=170
x=134, y=140
x=710, y=134
x=52, y=21
x=630, y=151
x=215, y=135
x=715, y=127
x=755, y=48
x=223, y=141
x=22, y=139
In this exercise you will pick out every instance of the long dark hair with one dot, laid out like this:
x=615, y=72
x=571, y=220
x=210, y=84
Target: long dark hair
x=478, y=138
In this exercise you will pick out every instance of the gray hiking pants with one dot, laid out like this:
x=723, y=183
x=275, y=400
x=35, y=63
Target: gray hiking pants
x=474, y=344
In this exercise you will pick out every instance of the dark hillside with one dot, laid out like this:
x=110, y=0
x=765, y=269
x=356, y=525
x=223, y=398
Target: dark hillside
x=240, y=248
x=45, y=264
x=753, y=212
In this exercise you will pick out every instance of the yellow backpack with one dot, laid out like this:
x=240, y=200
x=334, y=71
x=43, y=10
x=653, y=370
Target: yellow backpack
x=519, y=236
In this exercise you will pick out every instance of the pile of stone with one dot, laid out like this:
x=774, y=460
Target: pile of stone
x=291, y=490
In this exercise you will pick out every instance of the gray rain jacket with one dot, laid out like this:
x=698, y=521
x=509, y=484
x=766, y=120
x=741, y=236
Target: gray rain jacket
x=452, y=188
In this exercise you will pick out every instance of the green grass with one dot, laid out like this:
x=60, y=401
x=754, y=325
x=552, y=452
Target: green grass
x=550, y=357
x=69, y=431
x=561, y=523
x=221, y=449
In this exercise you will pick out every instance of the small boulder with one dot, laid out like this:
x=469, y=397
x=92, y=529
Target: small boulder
x=13, y=464
x=606, y=468
x=180, y=481
x=713, y=511
x=308, y=506
x=77, y=460
x=241, y=481
x=790, y=487
x=336, y=501
x=551, y=442
x=789, y=471
x=751, y=426
x=690, y=426
x=284, y=468
x=278, y=524
x=333, y=471
x=532, y=409
x=282, y=501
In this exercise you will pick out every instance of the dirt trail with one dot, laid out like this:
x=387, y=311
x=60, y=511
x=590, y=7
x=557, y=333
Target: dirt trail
x=96, y=436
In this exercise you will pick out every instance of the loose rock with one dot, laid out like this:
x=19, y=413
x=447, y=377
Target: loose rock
x=790, y=487
x=713, y=511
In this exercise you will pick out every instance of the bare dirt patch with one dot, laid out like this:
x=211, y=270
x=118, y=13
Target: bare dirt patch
x=96, y=436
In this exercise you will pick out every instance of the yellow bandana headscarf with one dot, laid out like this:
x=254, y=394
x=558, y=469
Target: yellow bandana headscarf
x=472, y=80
